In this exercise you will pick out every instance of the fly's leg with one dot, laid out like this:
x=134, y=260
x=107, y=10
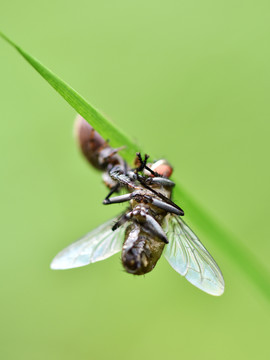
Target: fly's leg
x=160, y=181
x=143, y=165
x=167, y=207
x=142, y=180
x=152, y=226
x=119, y=175
x=124, y=218
x=113, y=190
x=127, y=217
x=125, y=168
x=117, y=199
x=148, y=223
x=142, y=162
x=140, y=198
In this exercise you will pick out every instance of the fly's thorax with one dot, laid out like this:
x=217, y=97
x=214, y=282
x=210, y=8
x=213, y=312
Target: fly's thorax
x=138, y=198
x=141, y=251
x=166, y=191
x=143, y=198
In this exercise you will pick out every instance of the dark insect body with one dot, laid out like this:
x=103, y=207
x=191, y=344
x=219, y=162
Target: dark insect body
x=144, y=237
x=149, y=227
x=96, y=150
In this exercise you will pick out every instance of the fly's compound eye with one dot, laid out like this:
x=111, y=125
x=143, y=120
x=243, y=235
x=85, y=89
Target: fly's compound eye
x=162, y=167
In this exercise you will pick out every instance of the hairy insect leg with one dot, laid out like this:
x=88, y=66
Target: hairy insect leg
x=142, y=162
x=142, y=180
x=160, y=181
x=143, y=165
x=123, y=177
x=167, y=207
x=113, y=190
x=154, y=228
x=125, y=168
x=148, y=223
x=117, y=199
x=121, y=221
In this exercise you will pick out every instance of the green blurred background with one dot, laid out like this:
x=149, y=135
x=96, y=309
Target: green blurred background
x=189, y=81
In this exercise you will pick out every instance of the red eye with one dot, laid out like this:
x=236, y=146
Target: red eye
x=163, y=168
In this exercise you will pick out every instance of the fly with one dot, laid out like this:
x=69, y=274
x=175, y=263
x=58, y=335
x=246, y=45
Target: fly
x=151, y=225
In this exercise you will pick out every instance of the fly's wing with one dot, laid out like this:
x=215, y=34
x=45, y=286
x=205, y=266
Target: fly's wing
x=188, y=257
x=97, y=245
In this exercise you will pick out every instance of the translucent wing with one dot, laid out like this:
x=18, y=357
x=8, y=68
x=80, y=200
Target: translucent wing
x=97, y=245
x=188, y=257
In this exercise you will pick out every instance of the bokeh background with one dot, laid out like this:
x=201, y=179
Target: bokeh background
x=189, y=81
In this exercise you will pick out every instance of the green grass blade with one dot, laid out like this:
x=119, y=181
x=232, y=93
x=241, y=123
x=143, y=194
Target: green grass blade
x=236, y=251
x=106, y=129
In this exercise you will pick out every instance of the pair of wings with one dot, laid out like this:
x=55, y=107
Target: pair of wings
x=185, y=253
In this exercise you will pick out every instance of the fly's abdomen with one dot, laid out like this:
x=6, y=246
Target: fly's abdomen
x=89, y=140
x=140, y=250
